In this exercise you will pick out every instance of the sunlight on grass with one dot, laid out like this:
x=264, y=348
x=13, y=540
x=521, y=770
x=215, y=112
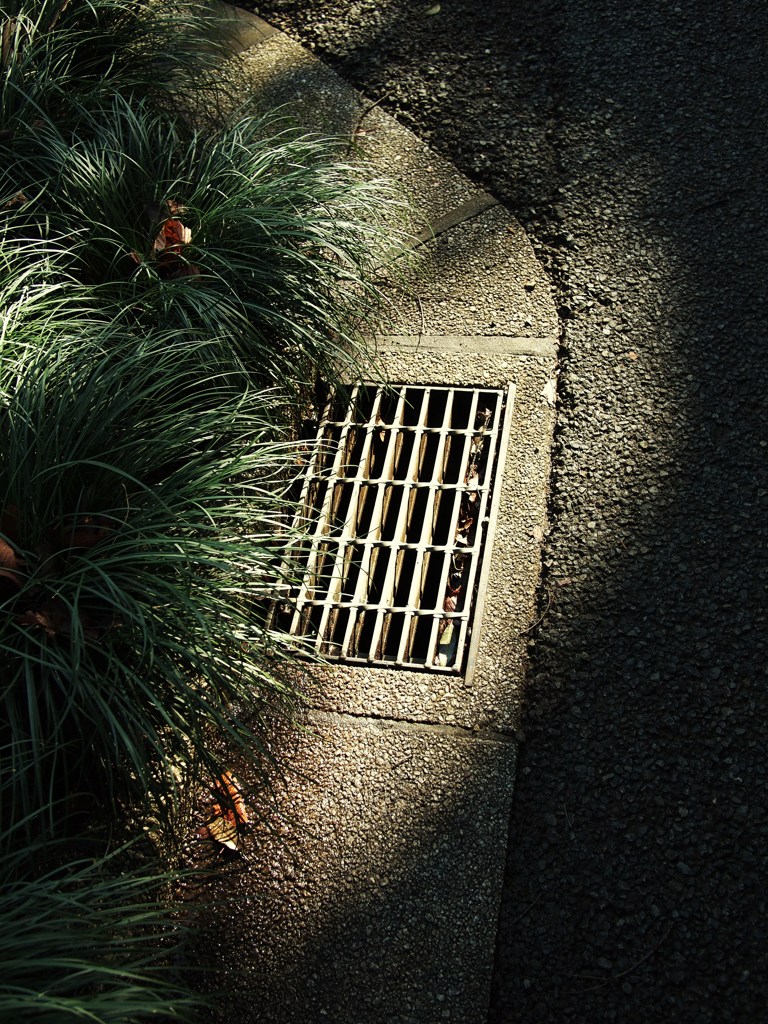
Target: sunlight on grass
x=170, y=297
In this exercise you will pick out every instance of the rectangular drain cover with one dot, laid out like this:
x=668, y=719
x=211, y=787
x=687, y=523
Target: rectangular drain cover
x=394, y=510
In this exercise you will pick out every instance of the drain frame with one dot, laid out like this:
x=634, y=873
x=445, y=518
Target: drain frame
x=368, y=455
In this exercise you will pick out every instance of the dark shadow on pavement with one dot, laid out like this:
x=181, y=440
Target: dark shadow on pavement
x=629, y=139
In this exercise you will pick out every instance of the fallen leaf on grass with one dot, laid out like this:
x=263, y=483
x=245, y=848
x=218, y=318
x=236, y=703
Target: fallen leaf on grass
x=167, y=248
x=57, y=618
x=18, y=200
x=168, y=245
x=10, y=563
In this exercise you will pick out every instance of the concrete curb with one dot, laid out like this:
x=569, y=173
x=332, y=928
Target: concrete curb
x=375, y=890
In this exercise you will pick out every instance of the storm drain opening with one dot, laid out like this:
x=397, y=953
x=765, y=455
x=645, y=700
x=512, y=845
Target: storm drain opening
x=395, y=510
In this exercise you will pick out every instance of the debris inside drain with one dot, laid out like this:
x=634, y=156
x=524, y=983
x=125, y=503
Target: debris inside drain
x=394, y=512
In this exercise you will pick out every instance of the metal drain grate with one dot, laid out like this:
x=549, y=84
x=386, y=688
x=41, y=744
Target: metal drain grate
x=395, y=506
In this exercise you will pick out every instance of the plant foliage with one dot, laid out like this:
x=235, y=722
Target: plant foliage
x=89, y=939
x=277, y=241
x=168, y=293
x=143, y=499
x=59, y=58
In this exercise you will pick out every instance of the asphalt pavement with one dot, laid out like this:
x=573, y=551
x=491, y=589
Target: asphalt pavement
x=628, y=137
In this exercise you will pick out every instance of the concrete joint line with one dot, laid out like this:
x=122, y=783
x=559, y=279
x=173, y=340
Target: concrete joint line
x=473, y=207
x=247, y=29
x=382, y=724
x=467, y=211
x=477, y=344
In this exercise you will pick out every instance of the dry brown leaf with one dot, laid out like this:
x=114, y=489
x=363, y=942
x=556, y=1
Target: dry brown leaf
x=230, y=813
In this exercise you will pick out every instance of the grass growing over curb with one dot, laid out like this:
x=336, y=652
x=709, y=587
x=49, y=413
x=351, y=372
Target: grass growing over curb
x=168, y=298
x=59, y=58
x=137, y=535
x=277, y=238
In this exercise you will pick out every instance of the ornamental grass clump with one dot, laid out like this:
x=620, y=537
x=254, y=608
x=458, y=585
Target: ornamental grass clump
x=252, y=234
x=96, y=938
x=61, y=58
x=143, y=488
x=170, y=297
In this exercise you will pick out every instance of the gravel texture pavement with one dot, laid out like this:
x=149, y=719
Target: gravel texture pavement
x=628, y=137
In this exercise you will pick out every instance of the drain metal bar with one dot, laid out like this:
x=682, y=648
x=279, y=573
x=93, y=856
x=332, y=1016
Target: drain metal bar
x=394, y=518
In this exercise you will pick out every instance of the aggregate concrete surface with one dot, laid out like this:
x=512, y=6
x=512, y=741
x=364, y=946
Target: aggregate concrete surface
x=628, y=136
x=367, y=896
x=368, y=885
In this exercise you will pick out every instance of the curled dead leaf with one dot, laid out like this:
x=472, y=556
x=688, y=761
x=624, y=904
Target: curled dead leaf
x=18, y=200
x=170, y=241
x=55, y=617
x=229, y=813
x=171, y=236
x=10, y=563
x=221, y=831
x=52, y=615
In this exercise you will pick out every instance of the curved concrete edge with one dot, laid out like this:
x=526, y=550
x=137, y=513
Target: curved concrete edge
x=479, y=275
x=371, y=886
